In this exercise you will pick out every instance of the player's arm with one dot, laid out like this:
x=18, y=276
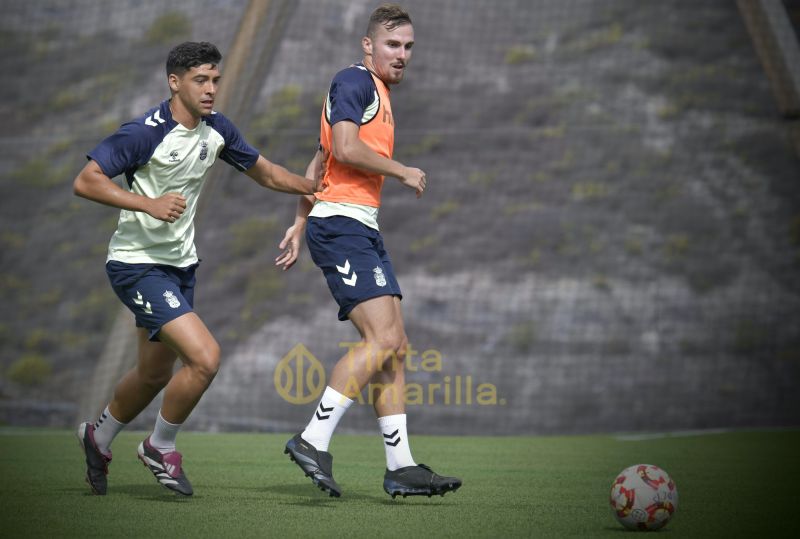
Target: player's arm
x=351, y=150
x=91, y=183
x=277, y=178
x=294, y=234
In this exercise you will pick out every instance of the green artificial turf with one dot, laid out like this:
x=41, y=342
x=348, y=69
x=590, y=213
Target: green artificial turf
x=730, y=485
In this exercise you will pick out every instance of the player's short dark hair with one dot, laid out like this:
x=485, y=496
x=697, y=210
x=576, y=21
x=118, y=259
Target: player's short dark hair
x=191, y=54
x=389, y=16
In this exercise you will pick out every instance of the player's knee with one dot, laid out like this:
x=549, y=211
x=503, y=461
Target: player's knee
x=206, y=371
x=394, y=359
x=205, y=362
x=392, y=344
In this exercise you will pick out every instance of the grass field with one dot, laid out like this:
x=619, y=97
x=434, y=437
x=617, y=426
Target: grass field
x=730, y=484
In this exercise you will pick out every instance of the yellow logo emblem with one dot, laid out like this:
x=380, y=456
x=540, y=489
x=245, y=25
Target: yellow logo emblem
x=299, y=377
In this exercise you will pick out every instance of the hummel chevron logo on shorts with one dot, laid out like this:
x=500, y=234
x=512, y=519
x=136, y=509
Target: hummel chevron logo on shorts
x=139, y=300
x=323, y=410
x=351, y=280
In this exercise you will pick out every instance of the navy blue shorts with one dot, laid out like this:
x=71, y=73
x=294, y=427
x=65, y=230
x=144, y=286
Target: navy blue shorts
x=155, y=293
x=353, y=259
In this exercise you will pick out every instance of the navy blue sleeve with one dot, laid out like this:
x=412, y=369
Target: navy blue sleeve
x=127, y=149
x=351, y=93
x=237, y=152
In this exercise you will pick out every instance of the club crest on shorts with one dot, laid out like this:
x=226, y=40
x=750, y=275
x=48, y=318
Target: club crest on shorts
x=380, y=278
x=203, y=149
x=172, y=301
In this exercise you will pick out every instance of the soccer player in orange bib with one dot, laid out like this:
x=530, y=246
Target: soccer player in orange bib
x=341, y=227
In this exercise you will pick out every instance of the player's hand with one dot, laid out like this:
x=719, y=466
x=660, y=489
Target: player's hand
x=168, y=207
x=291, y=247
x=415, y=179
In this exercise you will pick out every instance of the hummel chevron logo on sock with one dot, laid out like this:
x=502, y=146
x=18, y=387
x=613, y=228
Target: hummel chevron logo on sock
x=388, y=437
x=324, y=410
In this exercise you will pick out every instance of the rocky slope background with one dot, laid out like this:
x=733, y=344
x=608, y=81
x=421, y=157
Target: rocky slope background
x=610, y=240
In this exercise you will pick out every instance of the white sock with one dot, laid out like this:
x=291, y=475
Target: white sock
x=330, y=410
x=106, y=429
x=395, y=441
x=164, y=434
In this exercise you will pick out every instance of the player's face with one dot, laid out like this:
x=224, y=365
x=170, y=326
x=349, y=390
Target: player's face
x=388, y=52
x=197, y=88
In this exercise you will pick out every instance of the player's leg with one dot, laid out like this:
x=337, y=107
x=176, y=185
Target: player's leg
x=156, y=295
x=199, y=352
x=189, y=337
x=375, y=320
x=388, y=384
x=403, y=475
x=141, y=384
x=382, y=339
x=387, y=392
x=347, y=253
x=131, y=395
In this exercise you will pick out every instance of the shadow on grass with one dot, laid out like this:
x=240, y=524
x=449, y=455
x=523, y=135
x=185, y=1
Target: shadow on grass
x=309, y=495
x=85, y=490
x=142, y=492
x=151, y=493
x=415, y=501
x=297, y=494
x=612, y=529
x=620, y=529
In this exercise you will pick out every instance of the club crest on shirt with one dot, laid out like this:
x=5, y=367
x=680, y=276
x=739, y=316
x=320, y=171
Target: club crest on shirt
x=380, y=278
x=203, y=149
x=172, y=301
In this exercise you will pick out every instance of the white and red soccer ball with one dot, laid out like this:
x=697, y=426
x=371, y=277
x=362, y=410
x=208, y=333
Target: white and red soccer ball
x=643, y=497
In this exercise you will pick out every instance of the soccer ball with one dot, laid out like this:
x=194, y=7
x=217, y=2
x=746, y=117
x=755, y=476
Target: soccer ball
x=643, y=497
